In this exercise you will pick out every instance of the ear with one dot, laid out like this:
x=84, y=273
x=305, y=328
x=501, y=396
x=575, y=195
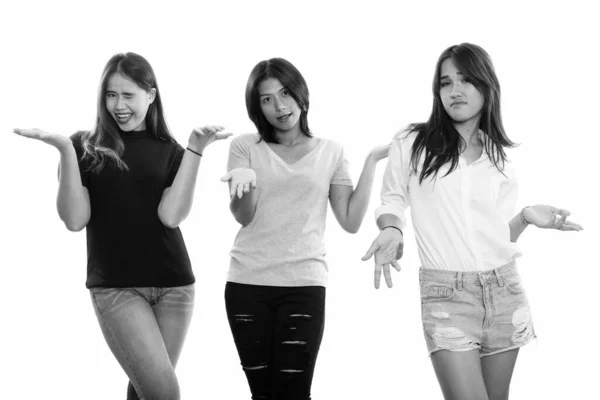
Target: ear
x=152, y=95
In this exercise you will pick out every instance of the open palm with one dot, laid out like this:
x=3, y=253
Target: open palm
x=52, y=139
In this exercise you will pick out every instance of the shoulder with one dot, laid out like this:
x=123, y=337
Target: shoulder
x=329, y=144
x=246, y=139
x=79, y=136
x=406, y=136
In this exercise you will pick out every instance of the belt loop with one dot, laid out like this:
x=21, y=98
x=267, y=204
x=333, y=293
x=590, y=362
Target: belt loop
x=499, y=277
x=459, y=280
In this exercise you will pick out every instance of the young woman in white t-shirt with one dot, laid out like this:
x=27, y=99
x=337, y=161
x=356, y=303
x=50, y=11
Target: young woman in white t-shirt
x=454, y=174
x=281, y=181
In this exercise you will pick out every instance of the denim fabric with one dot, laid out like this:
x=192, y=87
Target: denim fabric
x=475, y=310
x=145, y=329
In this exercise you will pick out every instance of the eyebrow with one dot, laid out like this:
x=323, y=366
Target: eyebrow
x=448, y=77
x=268, y=94
x=124, y=93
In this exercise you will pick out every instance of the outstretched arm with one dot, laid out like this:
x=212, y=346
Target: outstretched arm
x=177, y=199
x=542, y=216
x=73, y=200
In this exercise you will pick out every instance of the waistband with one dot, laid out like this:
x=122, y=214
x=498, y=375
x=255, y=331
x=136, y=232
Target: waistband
x=478, y=278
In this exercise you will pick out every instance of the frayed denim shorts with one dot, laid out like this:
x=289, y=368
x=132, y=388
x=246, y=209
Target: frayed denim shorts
x=485, y=310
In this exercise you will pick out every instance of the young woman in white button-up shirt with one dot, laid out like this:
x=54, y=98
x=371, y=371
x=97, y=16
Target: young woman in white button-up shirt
x=454, y=174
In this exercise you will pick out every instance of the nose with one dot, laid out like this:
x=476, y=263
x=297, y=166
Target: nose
x=280, y=105
x=456, y=91
x=120, y=103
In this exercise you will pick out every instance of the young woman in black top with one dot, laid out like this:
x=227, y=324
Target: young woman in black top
x=130, y=184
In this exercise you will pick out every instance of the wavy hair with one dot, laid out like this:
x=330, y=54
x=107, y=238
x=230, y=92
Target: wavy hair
x=103, y=144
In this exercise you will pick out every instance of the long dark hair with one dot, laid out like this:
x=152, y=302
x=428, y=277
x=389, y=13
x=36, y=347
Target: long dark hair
x=103, y=144
x=291, y=79
x=438, y=138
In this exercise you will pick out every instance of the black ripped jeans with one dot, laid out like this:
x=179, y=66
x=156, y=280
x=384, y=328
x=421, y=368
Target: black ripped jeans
x=277, y=332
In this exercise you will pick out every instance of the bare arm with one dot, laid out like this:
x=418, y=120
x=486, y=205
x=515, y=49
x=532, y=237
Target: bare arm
x=73, y=200
x=349, y=206
x=177, y=200
x=542, y=216
x=242, y=182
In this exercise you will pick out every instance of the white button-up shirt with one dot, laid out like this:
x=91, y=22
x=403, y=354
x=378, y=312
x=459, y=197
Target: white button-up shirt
x=460, y=220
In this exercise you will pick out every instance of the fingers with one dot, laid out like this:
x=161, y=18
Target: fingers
x=246, y=187
x=388, y=275
x=377, y=276
x=226, y=178
x=396, y=265
x=221, y=136
x=374, y=247
x=240, y=191
x=571, y=226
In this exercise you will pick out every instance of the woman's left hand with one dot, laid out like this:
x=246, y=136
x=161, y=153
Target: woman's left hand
x=205, y=135
x=548, y=217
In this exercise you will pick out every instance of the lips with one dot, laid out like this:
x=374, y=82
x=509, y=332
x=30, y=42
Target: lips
x=284, y=118
x=123, y=118
x=458, y=103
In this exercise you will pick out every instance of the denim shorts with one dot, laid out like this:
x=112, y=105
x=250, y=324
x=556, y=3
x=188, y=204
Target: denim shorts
x=485, y=310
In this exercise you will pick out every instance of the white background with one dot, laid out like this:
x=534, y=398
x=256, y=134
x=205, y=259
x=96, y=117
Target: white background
x=369, y=68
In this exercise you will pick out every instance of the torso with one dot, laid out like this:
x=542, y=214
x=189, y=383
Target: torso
x=293, y=154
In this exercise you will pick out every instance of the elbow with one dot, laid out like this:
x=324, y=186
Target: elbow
x=169, y=222
x=75, y=226
x=351, y=228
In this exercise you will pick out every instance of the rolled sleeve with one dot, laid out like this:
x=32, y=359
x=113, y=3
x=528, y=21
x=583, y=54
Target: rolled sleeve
x=394, y=189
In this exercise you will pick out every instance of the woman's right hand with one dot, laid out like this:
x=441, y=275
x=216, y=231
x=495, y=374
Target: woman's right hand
x=387, y=248
x=53, y=139
x=240, y=180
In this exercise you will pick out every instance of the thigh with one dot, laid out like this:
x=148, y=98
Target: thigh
x=497, y=372
x=132, y=334
x=251, y=322
x=459, y=374
x=173, y=313
x=299, y=326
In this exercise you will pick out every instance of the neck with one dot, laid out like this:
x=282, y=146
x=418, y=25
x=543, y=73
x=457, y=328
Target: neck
x=291, y=137
x=468, y=131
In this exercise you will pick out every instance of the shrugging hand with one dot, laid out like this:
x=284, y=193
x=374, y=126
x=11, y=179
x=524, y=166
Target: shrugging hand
x=380, y=152
x=53, y=139
x=205, y=135
x=387, y=248
x=548, y=217
x=241, y=179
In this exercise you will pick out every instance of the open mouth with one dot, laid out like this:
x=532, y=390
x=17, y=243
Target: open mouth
x=123, y=118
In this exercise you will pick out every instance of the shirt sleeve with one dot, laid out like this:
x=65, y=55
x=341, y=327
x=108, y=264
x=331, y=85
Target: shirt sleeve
x=83, y=165
x=508, y=194
x=341, y=175
x=239, y=154
x=177, y=157
x=394, y=189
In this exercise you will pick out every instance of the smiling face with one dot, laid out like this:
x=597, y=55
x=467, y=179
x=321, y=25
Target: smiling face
x=127, y=103
x=278, y=106
x=461, y=99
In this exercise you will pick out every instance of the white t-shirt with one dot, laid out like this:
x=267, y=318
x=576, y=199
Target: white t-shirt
x=283, y=244
x=461, y=219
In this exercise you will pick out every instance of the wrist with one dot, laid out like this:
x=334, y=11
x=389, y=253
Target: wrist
x=393, y=228
x=194, y=147
x=525, y=217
